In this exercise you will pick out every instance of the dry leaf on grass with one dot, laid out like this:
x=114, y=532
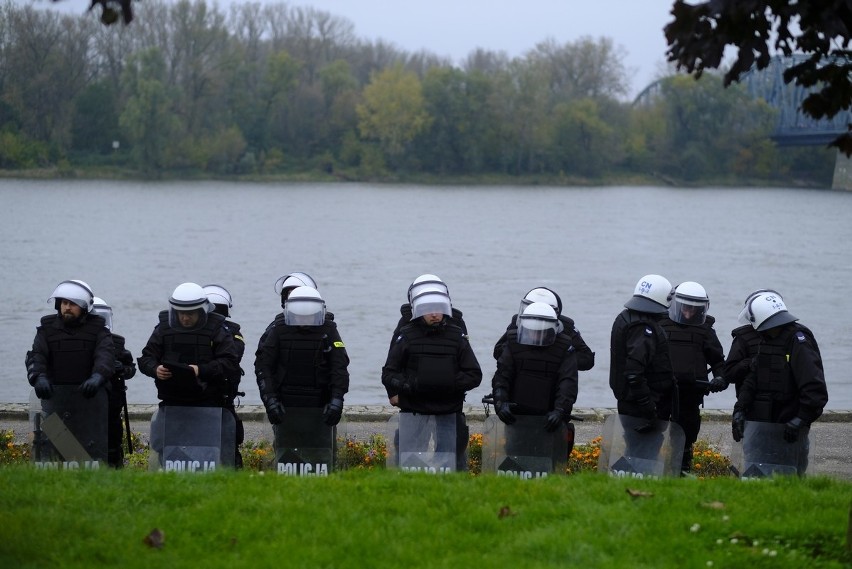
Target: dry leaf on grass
x=155, y=539
x=639, y=493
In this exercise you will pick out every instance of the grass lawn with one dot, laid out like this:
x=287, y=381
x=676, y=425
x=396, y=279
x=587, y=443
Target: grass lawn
x=383, y=518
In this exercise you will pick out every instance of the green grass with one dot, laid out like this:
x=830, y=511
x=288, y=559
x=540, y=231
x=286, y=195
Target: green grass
x=388, y=519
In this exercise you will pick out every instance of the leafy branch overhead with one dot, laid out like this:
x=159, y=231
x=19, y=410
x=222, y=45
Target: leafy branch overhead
x=758, y=29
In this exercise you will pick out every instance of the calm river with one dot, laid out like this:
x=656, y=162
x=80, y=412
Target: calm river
x=135, y=242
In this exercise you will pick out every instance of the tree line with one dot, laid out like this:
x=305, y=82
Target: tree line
x=271, y=89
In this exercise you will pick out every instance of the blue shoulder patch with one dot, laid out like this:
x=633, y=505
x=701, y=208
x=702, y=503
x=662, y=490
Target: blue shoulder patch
x=648, y=331
x=800, y=336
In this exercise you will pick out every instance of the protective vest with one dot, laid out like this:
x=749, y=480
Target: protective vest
x=301, y=374
x=433, y=357
x=686, y=349
x=776, y=385
x=658, y=373
x=189, y=347
x=536, y=373
x=72, y=348
x=750, y=336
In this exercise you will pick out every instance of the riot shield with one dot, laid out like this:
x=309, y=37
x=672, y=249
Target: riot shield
x=423, y=443
x=627, y=452
x=763, y=452
x=523, y=449
x=192, y=439
x=304, y=444
x=69, y=431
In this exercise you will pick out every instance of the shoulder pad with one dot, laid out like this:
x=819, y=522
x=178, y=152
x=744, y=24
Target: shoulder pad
x=709, y=320
x=45, y=320
x=329, y=316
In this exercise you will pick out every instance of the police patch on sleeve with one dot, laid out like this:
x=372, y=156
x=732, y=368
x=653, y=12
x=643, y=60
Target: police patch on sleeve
x=800, y=336
x=648, y=331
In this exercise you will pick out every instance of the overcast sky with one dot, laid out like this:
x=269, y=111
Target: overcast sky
x=454, y=28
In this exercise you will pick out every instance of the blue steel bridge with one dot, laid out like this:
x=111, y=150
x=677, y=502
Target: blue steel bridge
x=793, y=127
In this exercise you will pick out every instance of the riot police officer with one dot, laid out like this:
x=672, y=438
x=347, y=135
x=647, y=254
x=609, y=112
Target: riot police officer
x=73, y=346
x=222, y=302
x=640, y=372
x=694, y=347
x=431, y=365
x=190, y=354
x=743, y=348
x=537, y=371
x=585, y=356
x=787, y=381
x=123, y=369
x=303, y=361
x=424, y=283
x=283, y=286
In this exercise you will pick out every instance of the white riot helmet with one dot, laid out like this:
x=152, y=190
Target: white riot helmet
x=188, y=307
x=537, y=325
x=540, y=294
x=689, y=304
x=304, y=307
x=743, y=317
x=286, y=283
x=431, y=302
x=220, y=297
x=767, y=310
x=102, y=309
x=652, y=294
x=75, y=291
x=426, y=283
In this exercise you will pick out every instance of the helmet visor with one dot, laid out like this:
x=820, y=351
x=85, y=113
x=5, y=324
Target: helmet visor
x=304, y=311
x=430, y=302
x=187, y=319
x=104, y=312
x=688, y=311
x=534, y=330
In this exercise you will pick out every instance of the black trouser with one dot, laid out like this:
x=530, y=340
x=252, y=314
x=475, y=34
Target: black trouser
x=115, y=430
x=690, y=400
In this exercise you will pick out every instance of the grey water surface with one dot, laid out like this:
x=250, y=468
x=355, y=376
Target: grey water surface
x=134, y=242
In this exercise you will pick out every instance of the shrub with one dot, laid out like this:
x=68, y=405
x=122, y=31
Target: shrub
x=708, y=462
x=12, y=452
x=257, y=455
x=584, y=457
x=474, y=454
x=366, y=455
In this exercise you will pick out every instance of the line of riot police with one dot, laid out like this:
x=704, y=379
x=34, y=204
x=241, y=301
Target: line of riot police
x=662, y=348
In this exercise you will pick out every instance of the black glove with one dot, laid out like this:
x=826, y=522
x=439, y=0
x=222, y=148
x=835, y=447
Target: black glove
x=332, y=412
x=90, y=387
x=43, y=387
x=118, y=367
x=129, y=371
x=792, y=428
x=553, y=419
x=718, y=384
x=274, y=410
x=738, y=425
x=503, y=407
x=401, y=385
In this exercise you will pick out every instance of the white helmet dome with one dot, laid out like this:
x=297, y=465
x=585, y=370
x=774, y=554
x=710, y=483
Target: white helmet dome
x=652, y=295
x=102, y=309
x=217, y=294
x=744, y=318
x=689, y=304
x=76, y=291
x=767, y=310
x=537, y=325
x=540, y=294
x=427, y=283
x=293, y=280
x=304, y=307
x=189, y=296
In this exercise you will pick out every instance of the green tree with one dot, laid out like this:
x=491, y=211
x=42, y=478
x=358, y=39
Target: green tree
x=147, y=119
x=393, y=110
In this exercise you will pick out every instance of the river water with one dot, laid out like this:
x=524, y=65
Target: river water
x=134, y=242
